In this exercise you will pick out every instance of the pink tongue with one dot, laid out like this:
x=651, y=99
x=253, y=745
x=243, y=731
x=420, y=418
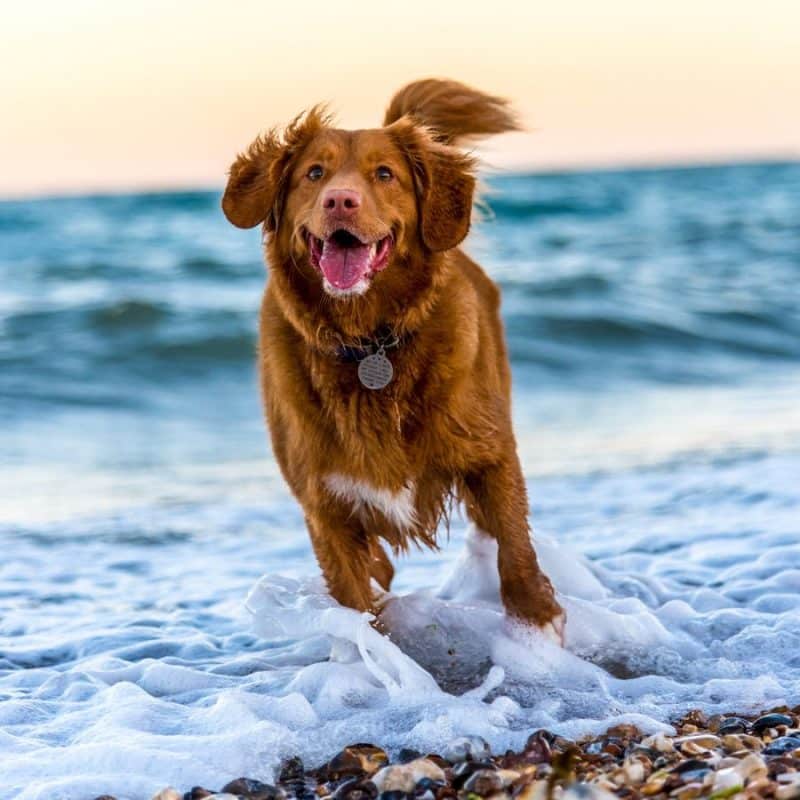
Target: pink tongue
x=344, y=267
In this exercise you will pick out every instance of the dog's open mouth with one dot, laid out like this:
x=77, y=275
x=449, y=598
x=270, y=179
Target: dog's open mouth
x=345, y=260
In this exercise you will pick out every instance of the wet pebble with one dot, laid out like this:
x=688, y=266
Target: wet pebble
x=223, y=796
x=197, y=793
x=783, y=745
x=166, y=794
x=405, y=777
x=291, y=770
x=356, y=789
x=463, y=772
x=406, y=754
x=771, y=721
x=473, y=748
x=733, y=725
x=252, y=790
x=484, y=782
x=357, y=758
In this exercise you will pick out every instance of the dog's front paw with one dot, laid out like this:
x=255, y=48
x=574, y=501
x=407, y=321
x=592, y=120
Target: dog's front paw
x=555, y=629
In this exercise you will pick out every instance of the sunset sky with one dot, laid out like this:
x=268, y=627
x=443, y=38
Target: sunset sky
x=112, y=95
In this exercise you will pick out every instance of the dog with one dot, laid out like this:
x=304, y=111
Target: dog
x=384, y=370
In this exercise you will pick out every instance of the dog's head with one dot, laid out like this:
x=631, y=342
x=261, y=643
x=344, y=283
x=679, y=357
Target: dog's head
x=353, y=213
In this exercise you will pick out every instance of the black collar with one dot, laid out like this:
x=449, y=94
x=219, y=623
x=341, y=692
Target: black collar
x=383, y=339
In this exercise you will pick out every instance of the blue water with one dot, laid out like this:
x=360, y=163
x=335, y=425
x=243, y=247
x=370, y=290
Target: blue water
x=654, y=326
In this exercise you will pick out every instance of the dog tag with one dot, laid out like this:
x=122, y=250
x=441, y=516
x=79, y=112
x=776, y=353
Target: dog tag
x=375, y=371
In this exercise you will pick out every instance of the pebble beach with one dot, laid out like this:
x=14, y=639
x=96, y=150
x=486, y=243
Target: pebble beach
x=707, y=757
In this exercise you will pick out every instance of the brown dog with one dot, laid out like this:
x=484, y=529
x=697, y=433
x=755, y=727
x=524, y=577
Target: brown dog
x=384, y=368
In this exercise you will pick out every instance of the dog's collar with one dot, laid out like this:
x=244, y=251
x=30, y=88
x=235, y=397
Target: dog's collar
x=383, y=339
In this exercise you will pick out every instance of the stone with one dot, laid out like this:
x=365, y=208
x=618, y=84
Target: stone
x=404, y=777
x=727, y=780
x=733, y=725
x=688, y=792
x=463, y=771
x=166, y=794
x=357, y=758
x=752, y=767
x=788, y=787
x=484, y=782
x=197, y=793
x=468, y=748
x=659, y=742
x=586, y=791
x=291, y=770
x=356, y=789
x=782, y=746
x=251, y=789
x=771, y=721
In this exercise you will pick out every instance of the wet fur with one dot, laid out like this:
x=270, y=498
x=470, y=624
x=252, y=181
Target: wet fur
x=443, y=425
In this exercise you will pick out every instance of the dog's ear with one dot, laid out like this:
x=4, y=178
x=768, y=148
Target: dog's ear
x=257, y=178
x=447, y=203
x=253, y=185
x=445, y=185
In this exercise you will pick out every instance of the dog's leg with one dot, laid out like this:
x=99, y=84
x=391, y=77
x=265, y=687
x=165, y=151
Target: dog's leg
x=381, y=568
x=345, y=557
x=497, y=502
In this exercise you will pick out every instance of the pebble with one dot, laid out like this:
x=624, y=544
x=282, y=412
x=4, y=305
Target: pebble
x=358, y=758
x=252, y=789
x=733, y=725
x=484, y=782
x=783, y=745
x=688, y=792
x=771, y=721
x=356, y=789
x=291, y=770
x=789, y=787
x=726, y=780
x=660, y=743
x=474, y=748
x=165, y=794
x=586, y=791
x=404, y=777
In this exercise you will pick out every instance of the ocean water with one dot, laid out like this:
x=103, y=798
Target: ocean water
x=161, y=616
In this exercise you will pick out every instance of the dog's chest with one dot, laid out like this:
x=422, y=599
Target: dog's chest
x=398, y=506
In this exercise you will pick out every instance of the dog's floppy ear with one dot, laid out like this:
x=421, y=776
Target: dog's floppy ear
x=253, y=186
x=258, y=177
x=445, y=184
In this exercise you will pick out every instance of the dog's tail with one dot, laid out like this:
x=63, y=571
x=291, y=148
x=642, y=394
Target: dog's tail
x=455, y=113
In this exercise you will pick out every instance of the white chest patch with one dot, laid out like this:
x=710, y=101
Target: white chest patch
x=398, y=507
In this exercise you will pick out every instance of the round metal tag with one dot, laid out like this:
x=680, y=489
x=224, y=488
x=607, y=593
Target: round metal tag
x=375, y=371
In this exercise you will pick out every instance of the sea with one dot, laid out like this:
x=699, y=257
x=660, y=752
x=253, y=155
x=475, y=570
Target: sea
x=162, y=618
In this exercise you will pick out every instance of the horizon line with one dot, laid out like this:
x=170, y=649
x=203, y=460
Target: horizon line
x=487, y=170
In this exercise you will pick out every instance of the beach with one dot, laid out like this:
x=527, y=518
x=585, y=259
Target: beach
x=162, y=622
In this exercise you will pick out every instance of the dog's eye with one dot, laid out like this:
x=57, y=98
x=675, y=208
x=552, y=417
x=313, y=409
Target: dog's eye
x=315, y=173
x=384, y=174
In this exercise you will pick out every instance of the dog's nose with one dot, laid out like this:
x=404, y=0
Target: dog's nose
x=342, y=202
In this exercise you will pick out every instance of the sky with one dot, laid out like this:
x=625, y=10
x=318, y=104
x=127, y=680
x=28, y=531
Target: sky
x=123, y=95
